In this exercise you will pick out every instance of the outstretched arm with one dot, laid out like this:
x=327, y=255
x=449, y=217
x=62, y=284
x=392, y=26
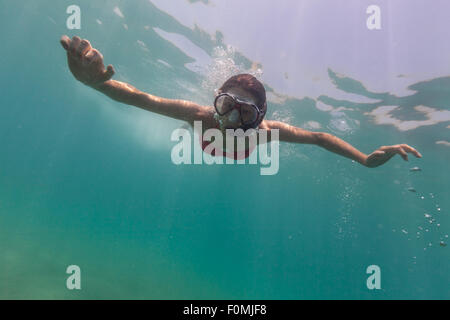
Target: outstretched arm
x=334, y=144
x=86, y=65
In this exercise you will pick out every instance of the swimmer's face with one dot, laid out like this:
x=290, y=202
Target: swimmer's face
x=232, y=120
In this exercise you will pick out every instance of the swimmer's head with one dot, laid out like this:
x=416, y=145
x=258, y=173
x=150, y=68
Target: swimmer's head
x=245, y=87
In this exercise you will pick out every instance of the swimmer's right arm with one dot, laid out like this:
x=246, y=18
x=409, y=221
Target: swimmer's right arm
x=86, y=65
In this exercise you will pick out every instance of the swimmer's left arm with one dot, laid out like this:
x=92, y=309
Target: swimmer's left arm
x=334, y=144
x=384, y=153
x=373, y=160
x=325, y=140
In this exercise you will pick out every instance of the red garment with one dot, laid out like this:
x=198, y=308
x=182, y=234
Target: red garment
x=236, y=155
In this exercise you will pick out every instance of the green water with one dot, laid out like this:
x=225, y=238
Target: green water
x=88, y=181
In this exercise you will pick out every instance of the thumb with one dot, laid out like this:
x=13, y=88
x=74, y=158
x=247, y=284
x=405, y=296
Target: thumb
x=108, y=74
x=110, y=71
x=379, y=153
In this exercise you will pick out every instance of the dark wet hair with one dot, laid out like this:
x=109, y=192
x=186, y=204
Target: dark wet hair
x=250, y=84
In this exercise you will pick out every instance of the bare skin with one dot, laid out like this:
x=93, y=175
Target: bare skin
x=86, y=65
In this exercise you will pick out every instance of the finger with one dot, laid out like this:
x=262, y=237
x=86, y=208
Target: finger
x=98, y=57
x=92, y=56
x=84, y=47
x=411, y=150
x=65, y=42
x=74, y=44
x=388, y=149
x=402, y=153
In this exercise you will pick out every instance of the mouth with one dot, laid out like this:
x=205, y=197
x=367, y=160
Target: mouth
x=225, y=123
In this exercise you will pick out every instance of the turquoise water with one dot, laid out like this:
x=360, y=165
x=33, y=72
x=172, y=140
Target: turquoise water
x=87, y=181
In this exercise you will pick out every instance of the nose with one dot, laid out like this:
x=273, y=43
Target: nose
x=234, y=115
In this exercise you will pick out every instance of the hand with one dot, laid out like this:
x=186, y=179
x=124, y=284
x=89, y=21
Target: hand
x=383, y=154
x=85, y=62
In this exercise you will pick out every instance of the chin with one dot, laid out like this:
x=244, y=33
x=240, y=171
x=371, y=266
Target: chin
x=231, y=127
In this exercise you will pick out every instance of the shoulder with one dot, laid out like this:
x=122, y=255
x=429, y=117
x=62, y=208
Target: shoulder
x=272, y=124
x=204, y=114
x=265, y=125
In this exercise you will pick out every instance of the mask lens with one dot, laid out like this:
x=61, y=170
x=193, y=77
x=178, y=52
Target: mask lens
x=248, y=114
x=224, y=104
